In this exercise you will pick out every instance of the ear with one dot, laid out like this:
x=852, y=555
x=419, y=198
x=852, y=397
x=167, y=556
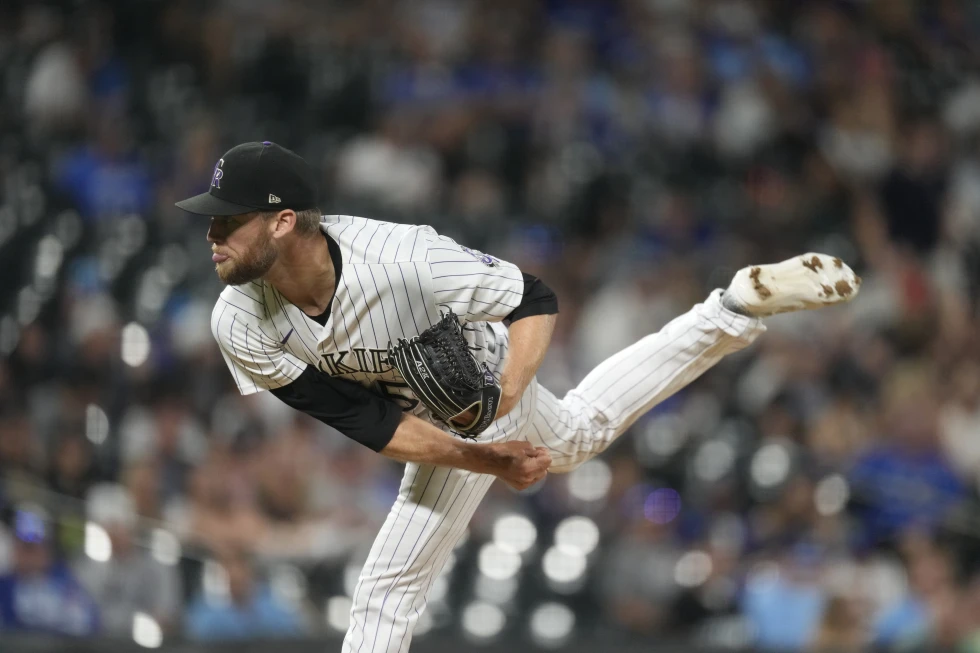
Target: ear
x=283, y=223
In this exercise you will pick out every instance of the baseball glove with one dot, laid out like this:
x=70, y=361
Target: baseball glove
x=442, y=371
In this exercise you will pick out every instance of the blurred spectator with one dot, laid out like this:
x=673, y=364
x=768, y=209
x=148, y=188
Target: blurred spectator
x=132, y=580
x=784, y=600
x=633, y=154
x=904, y=481
x=638, y=576
x=223, y=514
x=251, y=610
x=960, y=421
x=911, y=619
x=841, y=629
x=40, y=593
x=72, y=471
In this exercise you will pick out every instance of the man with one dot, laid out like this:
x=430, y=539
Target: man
x=313, y=303
x=133, y=581
x=39, y=594
x=252, y=610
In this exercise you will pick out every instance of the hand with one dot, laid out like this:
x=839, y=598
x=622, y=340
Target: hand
x=519, y=464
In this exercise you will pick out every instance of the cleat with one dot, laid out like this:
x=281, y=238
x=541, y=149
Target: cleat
x=798, y=284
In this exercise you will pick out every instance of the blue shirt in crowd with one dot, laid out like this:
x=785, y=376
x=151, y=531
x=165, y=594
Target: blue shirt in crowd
x=53, y=603
x=263, y=617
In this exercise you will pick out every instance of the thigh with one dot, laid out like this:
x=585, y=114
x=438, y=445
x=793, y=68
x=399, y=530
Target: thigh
x=566, y=427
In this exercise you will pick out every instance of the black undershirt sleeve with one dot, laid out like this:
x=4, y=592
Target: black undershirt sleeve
x=346, y=406
x=538, y=299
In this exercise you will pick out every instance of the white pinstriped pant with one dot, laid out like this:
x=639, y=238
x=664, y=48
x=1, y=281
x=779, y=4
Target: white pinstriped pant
x=435, y=504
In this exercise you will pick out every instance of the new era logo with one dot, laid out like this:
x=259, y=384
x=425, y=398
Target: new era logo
x=273, y=199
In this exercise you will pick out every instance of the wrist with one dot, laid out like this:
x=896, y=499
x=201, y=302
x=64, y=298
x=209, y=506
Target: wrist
x=481, y=458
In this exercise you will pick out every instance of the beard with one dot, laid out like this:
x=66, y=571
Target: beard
x=251, y=266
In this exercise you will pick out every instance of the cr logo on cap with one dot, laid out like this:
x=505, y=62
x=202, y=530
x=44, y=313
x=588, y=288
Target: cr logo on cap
x=218, y=174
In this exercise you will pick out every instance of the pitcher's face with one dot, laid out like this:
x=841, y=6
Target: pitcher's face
x=242, y=247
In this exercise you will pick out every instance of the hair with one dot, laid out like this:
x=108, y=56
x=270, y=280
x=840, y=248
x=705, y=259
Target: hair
x=307, y=221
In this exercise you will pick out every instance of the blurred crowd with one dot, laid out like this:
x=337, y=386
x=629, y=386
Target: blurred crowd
x=818, y=491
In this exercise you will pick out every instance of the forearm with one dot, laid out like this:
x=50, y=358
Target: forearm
x=529, y=340
x=417, y=441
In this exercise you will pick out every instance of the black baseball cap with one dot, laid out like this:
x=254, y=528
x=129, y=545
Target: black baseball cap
x=256, y=177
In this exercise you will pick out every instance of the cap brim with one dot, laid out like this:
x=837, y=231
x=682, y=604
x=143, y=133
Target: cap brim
x=208, y=204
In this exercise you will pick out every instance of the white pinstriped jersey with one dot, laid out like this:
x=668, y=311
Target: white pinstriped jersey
x=395, y=280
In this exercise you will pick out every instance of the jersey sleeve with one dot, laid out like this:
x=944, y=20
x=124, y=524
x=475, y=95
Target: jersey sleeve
x=476, y=286
x=344, y=405
x=256, y=360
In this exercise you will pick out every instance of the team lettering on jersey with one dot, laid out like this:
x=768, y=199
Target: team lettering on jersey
x=367, y=359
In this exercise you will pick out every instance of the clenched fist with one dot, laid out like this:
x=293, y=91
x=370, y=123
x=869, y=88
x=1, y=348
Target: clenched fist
x=519, y=464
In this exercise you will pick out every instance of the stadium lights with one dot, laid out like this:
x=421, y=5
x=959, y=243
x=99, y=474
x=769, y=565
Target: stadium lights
x=50, y=255
x=482, y=621
x=96, y=424
x=591, y=481
x=692, y=569
x=662, y=505
x=165, y=547
x=497, y=563
x=552, y=625
x=135, y=344
x=492, y=590
x=514, y=533
x=577, y=534
x=713, y=460
x=98, y=546
x=337, y=613
x=146, y=631
x=565, y=569
x=770, y=465
x=662, y=437
x=831, y=495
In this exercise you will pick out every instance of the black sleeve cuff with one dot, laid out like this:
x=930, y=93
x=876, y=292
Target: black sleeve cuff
x=538, y=299
x=346, y=406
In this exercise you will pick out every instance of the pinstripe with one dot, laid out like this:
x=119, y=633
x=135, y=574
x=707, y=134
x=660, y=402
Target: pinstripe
x=671, y=358
x=394, y=301
x=285, y=356
x=698, y=370
x=278, y=382
x=411, y=565
x=408, y=523
x=353, y=240
x=479, y=485
x=396, y=511
x=367, y=306
x=231, y=341
x=422, y=294
x=222, y=299
x=475, y=288
x=411, y=304
x=367, y=248
x=639, y=364
x=241, y=292
x=381, y=252
x=285, y=313
x=474, y=481
x=446, y=276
